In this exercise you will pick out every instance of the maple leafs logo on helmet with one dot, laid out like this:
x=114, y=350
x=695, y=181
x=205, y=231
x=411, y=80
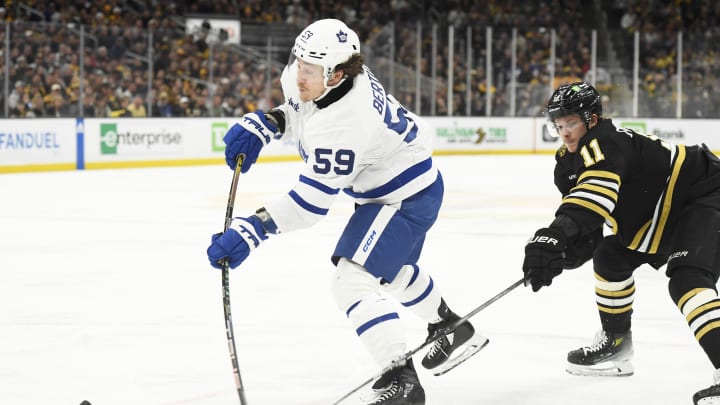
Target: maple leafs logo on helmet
x=328, y=43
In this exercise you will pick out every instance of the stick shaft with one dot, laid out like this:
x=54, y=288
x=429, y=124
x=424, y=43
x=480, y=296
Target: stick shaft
x=229, y=330
x=402, y=359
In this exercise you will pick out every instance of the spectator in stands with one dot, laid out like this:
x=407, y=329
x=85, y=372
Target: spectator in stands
x=21, y=110
x=137, y=107
x=56, y=91
x=16, y=94
x=216, y=109
x=89, y=105
x=101, y=105
x=37, y=105
x=199, y=109
x=122, y=111
x=60, y=109
x=185, y=110
x=163, y=108
x=117, y=31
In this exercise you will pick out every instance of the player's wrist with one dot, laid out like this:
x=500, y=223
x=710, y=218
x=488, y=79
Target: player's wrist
x=267, y=222
x=276, y=117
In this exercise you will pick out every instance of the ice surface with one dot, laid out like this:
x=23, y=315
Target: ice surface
x=106, y=295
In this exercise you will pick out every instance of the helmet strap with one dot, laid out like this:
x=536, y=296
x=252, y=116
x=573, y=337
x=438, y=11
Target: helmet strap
x=329, y=88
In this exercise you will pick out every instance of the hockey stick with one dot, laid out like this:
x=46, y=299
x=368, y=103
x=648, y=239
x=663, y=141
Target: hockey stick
x=226, y=286
x=402, y=359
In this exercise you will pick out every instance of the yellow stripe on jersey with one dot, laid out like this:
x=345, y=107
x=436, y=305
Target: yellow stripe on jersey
x=681, y=302
x=668, y=199
x=603, y=174
x=702, y=308
x=598, y=209
x=639, y=236
x=614, y=310
x=707, y=328
x=619, y=293
x=603, y=284
x=611, y=194
x=603, y=186
x=614, y=297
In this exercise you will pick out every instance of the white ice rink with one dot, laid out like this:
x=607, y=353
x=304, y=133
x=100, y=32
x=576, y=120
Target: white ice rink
x=106, y=295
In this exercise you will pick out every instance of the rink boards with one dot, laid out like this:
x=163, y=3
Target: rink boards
x=94, y=143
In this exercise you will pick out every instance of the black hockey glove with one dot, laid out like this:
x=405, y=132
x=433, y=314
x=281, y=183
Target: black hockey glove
x=580, y=251
x=544, y=257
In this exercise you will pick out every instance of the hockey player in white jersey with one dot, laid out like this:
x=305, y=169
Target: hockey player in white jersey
x=357, y=139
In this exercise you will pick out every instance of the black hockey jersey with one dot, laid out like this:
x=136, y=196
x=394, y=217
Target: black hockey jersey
x=636, y=183
x=565, y=177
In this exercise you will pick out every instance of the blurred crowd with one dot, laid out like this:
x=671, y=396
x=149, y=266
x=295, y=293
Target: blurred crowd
x=137, y=60
x=658, y=24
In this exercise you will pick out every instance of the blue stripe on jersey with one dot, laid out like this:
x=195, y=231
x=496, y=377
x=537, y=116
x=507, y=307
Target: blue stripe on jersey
x=353, y=306
x=416, y=273
x=395, y=183
x=306, y=205
x=400, y=126
x=422, y=296
x=317, y=185
x=412, y=134
x=369, y=324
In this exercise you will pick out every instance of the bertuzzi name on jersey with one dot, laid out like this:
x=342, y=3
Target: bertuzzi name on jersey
x=365, y=143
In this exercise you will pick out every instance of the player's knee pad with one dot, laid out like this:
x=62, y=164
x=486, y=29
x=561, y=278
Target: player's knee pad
x=691, y=287
x=415, y=290
x=378, y=326
x=614, y=262
x=404, y=278
x=374, y=318
x=351, y=283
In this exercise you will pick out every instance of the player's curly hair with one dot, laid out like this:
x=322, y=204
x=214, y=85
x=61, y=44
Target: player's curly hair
x=353, y=66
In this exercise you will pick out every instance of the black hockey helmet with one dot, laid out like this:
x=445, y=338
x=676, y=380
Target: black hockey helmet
x=574, y=98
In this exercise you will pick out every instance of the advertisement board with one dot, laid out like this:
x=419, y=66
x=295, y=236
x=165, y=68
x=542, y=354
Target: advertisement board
x=37, y=145
x=688, y=132
x=481, y=135
x=129, y=142
x=96, y=143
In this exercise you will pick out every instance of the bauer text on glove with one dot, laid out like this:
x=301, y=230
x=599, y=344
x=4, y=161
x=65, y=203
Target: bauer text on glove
x=234, y=245
x=544, y=257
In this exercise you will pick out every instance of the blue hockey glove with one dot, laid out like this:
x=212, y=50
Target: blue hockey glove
x=248, y=137
x=242, y=237
x=544, y=257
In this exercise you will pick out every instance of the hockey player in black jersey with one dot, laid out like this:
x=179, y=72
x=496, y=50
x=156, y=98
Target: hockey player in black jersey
x=662, y=202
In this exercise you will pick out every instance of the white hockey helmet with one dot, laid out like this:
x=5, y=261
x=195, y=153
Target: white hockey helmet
x=327, y=43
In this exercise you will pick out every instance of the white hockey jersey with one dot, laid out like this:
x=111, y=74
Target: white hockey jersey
x=365, y=144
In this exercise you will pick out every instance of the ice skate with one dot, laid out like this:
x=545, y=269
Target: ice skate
x=399, y=386
x=709, y=395
x=609, y=355
x=453, y=348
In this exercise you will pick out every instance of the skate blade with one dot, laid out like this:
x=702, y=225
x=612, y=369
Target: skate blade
x=708, y=401
x=472, y=346
x=605, y=369
x=368, y=397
